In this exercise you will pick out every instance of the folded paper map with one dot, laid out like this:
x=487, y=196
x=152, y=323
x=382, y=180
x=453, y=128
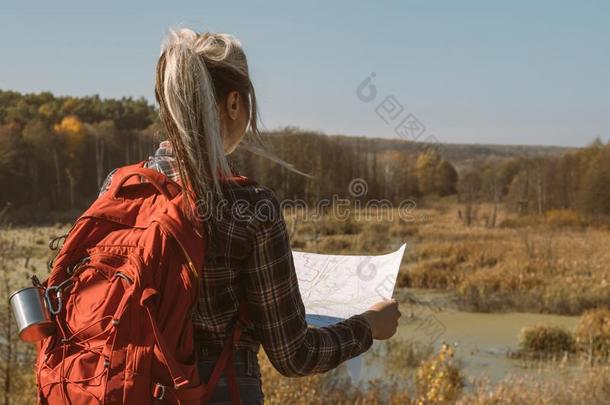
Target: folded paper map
x=335, y=287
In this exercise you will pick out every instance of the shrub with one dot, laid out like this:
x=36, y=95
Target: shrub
x=439, y=379
x=374, y=239
x=563, y=218
x=336, y=244
x=546, y=339
x=334, y=226
x=403, y=230
x=554, y=218
x=520, y=221
x=593, y=332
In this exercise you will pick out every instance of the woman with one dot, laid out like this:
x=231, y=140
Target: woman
x=207, y=102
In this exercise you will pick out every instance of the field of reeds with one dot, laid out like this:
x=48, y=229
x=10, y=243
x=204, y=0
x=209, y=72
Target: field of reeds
x=556, y=264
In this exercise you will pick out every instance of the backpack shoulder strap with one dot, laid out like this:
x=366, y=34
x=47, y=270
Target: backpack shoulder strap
x=161, y=182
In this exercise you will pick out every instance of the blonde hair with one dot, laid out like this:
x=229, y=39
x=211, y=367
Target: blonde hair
x=195, y=73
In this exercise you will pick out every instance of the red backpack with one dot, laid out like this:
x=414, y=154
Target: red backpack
x=121, y=291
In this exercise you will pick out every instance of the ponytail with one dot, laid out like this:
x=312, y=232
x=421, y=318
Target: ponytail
x=195, y=73
x=189, y=112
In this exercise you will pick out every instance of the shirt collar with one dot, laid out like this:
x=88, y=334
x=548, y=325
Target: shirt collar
x=165, y=149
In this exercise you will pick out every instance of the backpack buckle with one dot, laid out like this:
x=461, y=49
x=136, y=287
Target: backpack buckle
x=159, y=392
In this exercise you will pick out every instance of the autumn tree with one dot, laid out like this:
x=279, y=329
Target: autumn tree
x=37, y=137
x=10, y=151
x=595, y=198
x=103, y=134
x=446, y=179
x=435, y=176
x=426, y=169
x=470, y=185
x=71, y=133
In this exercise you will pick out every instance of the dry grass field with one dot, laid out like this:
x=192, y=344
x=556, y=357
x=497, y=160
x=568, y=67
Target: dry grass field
x=556, y=264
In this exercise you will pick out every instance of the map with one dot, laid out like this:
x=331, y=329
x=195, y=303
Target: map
x=335, y=287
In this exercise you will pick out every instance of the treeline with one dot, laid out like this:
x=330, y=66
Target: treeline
x=334, y=162
x=56, y=151
x=578, y=181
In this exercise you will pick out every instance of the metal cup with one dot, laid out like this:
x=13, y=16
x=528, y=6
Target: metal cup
x=33, y=318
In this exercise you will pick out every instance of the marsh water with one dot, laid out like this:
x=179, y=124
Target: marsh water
x=482, y=341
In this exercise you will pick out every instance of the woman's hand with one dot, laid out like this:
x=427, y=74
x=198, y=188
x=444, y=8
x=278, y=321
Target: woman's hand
x=383, y=319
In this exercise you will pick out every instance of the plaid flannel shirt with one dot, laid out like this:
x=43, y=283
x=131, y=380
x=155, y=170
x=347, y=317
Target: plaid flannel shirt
x=252, y=260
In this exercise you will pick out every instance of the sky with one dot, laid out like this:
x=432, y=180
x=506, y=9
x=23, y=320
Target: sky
x=518, y=72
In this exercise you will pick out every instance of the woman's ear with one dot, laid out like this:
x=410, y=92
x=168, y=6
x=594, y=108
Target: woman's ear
x=232, y=105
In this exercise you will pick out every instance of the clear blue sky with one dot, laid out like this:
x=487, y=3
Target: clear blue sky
x=518, y=72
